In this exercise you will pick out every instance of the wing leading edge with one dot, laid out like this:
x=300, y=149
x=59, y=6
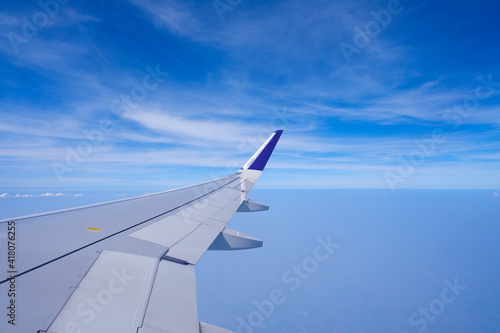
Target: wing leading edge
x=128, y=265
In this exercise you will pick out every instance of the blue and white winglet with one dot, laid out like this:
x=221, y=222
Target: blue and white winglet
x=125, y=266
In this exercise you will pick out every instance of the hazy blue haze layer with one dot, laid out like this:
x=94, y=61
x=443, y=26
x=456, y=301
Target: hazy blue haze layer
x=396, y=251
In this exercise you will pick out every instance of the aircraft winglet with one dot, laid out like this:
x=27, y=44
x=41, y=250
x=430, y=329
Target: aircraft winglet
x=260, y=158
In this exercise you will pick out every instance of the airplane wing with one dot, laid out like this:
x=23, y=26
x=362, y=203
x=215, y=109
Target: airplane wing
x=125, y=266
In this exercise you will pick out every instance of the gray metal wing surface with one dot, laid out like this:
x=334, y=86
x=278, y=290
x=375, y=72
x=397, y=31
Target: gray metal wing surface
x=125, y=266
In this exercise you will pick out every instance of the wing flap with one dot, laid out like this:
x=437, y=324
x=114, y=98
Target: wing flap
x=112, y=296
x=172, y=307
x=167, y=231
x=193, y=246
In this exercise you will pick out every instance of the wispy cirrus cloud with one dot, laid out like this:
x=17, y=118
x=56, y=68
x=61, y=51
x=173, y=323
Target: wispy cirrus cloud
x=208, y=129
x=172, y=15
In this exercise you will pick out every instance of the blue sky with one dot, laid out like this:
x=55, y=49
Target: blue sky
x=117, y=98
x=158, y=94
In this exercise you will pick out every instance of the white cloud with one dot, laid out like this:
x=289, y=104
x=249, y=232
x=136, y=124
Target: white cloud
x=52, y=195
x=48, y=194
x=211, y=130
x=23, y=195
